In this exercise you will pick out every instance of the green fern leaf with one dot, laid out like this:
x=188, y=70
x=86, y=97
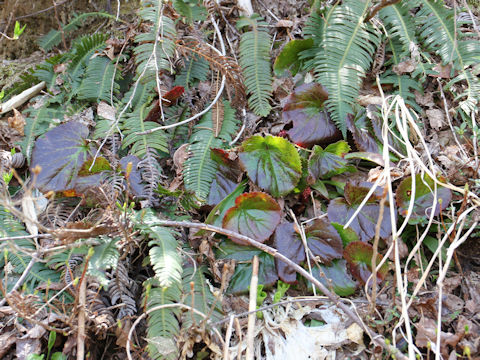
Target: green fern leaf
x=152, y=55
x=54, y=37
x=196, y=68
x=83, y=49
x=104, y=258
x=191, y=10
x=255, y=62
x=440, y=35
x=348, y=48
x=97, y=84
x=132, y=124
x=199, y=169
x=163, y=325
x=164, y=255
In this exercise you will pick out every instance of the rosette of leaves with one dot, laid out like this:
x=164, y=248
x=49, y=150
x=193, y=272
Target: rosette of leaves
x=272, y=163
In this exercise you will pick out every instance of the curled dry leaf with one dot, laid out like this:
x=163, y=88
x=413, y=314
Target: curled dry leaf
x=17, y=121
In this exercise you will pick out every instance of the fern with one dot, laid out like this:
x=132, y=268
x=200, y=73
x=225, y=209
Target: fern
x=191, y=10
x=83, y=49
x=151, y=55
x=164, y=256
x=348, y=47
x=132, y=124
x=199, y=168
x=255, y=62
x=440, y=35
x=163, y=325
x=97, y=84
x=54, y=37
x=196, y=68
x=105, y=257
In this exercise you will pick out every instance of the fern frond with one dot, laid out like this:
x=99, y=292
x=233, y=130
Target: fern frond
x=83, y=49
x=196, y=68
x=150, y=171
x=163, y=325
x=152, y=55
x=441, y=35
x=97, y=84
x=399, y=23
x=348, y=48
x=191, y=10
x=199, y=169
x=254, y=59
x=54, y=37
x=37, y=123
x=164, y=257
x=132, y=124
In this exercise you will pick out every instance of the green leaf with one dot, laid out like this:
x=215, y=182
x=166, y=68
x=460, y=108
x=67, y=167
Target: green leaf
x=335, y=275
x=226, y=178
x=164, y=256
x=255, y=62
x=272, y=163
x=288, y=59
x=104, y=258
x=61, y=153
x=191, y=10
x=215, y=217
x=255, y=215
x=311, y=124
x=422, y=199
x=347, y=51
x=200, y=169
x=240, y=281
x=324, y=164
x=97, y=84
x=348, y=235
x=359, y=257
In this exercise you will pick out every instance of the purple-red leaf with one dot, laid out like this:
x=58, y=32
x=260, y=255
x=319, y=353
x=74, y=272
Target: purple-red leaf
x=134, y=177
x=311, y=123
x=340, y=210
x=61, y=153
x=226, y=178
x=288, y=243
x=323, y=240
x=255, y=215
x=324, y=164
x=423, y=199
x=359, y=257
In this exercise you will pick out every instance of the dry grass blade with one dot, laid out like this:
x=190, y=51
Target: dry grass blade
x=217, y=114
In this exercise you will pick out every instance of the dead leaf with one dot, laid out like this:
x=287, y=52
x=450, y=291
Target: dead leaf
x=6, y=341
x=121, y=333
x=404, y=67
x=443, y=72
x=436, y=118
x=179, y=158
x=217, y=117
x=284, y=24
x=106, y=111
x=59, y=68
x=425, y=99
x=370, y=99
x=17, y=122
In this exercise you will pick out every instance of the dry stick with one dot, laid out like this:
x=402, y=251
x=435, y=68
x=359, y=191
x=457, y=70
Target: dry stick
x=82, y=299
x=228, y=335
x=252, y=306
x=373, y=299
x=376, y=338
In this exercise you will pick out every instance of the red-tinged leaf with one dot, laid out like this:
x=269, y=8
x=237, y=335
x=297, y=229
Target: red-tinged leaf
x=340, y=210
x=171, y=96
x=363, y=135
x=423, y=198
x=311, y=123
x=255, y=215
x=335, y=275
x=359, y=257
x=324, y=164
x=323, y=240
x=154, y=114
x=272, y=163
x=61, y=154
x=226, y=178
x=288, y=243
